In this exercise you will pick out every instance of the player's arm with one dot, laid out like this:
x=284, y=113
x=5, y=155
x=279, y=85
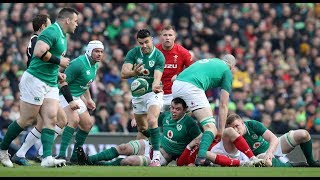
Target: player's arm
x=273, y=143
x=41, y=50
x=90, y=103
x=129, y=70
x=156, y=85
x=223, y=109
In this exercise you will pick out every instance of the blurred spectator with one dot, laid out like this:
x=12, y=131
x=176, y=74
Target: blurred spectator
x=276, y=45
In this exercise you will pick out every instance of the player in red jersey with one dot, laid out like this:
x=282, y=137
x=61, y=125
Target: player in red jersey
x=177, y=59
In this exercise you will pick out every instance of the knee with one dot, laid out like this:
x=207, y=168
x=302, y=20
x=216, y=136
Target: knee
x=122, y=149
x=305, y=136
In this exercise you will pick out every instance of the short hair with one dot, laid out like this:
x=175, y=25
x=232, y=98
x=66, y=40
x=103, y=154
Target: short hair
x=229, y=59
x=179, y=100
x=143, y=33
x=168, y=27
x=39, y=20
x=231, y=118
x=67, y=12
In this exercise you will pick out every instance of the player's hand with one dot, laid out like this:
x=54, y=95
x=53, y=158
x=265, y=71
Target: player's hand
x=64, y=62
x=91, y=104
x=138, y=68
x=74, y=105
x=133, y=123
x=62, y=77
x=156, y=88
x=194, y=143
x=268, y=156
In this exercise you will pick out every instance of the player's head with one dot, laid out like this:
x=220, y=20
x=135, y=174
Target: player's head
x=178, y=108
x=167, y=37
x=69, y=18
x=145, y=41
x=95, y=50
x=230, y=60
x=40, y=22
x=236, y=122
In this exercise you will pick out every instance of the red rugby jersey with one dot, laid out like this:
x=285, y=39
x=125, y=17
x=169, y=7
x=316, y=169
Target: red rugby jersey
x=177, y=59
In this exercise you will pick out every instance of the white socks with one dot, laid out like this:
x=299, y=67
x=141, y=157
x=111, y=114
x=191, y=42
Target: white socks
x=33, y=136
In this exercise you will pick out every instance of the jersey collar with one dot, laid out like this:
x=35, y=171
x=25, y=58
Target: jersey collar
x=59, y=27
x=152, y=52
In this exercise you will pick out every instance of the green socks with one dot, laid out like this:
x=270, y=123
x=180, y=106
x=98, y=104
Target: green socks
x=80, y=138
x=105, y=155
x=205, y=143
x=12, y=132
x=47, y=138
x=65, y=140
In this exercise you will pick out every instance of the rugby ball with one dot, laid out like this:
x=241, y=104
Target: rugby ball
x=139, y=87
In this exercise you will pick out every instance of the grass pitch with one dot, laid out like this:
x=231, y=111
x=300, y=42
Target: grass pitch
x=168, y=171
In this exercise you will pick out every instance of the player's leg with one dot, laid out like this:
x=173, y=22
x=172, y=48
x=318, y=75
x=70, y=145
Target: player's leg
x=232, y=140
x=134, y=147
x=58, y=128
x=300, y=137
x=209, y=130
x=32, y=137
x=30, y=89
x=49, y=112
x=68, y=131
x=85, y=125
x=199, y=105
x=135, y=160
x=154, y=105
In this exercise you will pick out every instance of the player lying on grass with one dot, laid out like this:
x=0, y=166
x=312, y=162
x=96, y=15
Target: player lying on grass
x=230, y=150
x=267, y=145
x=178, y=130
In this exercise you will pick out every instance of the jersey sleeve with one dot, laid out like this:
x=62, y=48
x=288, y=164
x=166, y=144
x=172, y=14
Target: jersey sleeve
x=160, y=62
x=130, y=57
x=48, y=36
x=187, y=58
x=226, y=83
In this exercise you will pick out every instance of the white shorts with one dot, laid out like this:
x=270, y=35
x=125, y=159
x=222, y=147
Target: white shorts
x=141, y=104
x=34, y=91
x=167, y=98
x=278, y=152
x=219, y=149
x=194, y=97
x=64, y=103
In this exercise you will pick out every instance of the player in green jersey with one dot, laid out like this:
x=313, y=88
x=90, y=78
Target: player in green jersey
x=267, y=145
x=39, y=86
x=80, y=73
x=179, y=129
x=191, y=85
x=146, y=61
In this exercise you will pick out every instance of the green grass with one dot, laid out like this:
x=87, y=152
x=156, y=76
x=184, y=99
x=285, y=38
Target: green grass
x=168, y=171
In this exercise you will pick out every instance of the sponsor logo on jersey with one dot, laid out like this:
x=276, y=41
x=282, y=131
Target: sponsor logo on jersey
x=170, y=134
x=88, y=72
x=171, y=66
x=256, y=145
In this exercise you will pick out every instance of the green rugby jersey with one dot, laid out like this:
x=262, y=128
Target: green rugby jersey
x=256, y=142
x=80, y=75
x=177, y=135
x=47, y=72
x=208, y=73
x=152, y=61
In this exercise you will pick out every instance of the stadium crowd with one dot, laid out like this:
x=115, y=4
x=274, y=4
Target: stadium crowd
x=276, y=46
